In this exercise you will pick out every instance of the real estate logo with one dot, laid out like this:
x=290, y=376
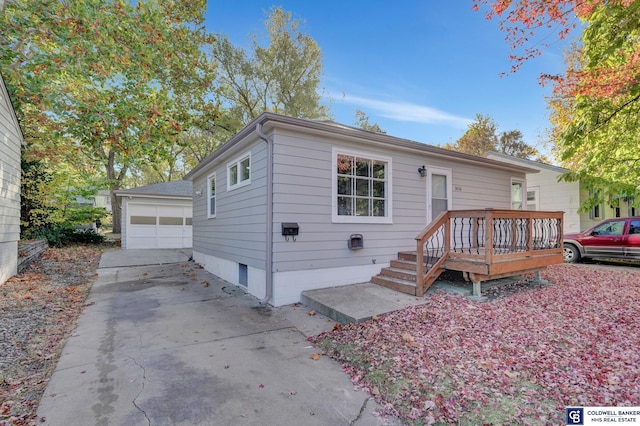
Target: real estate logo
x=575, y=415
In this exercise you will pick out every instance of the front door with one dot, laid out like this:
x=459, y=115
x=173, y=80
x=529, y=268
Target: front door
x=438, y=191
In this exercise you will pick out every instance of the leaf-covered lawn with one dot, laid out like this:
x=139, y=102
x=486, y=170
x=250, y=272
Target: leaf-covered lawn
x=38, y=310
x=518, y=359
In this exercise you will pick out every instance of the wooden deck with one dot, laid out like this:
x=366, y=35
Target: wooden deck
x=484, y=245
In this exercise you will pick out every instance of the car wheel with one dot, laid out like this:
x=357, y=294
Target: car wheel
x=570, y=253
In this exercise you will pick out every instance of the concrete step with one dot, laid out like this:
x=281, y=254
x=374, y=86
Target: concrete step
x=357, y=302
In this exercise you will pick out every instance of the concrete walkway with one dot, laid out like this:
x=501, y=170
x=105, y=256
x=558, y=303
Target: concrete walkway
x=163, y=342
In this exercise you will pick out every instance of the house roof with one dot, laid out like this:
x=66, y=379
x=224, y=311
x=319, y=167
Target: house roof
x=268, y=120
x=527, y=163
x=174, y=189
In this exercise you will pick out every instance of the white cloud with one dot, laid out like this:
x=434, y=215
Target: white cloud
x=404, y=111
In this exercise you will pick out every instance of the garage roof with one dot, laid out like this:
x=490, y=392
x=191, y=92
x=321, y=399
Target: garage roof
x=174, y=189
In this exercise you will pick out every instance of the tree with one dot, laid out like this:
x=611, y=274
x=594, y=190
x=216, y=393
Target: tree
x=511, y=143
x=107, y=83
x=282, y=77
x=480, y=137
x=600, y=86
x=362, y=121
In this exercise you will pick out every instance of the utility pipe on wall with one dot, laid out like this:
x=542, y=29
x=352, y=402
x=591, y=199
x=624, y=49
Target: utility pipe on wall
x=269, y=251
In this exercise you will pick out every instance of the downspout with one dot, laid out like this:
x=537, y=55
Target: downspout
x=269, y=254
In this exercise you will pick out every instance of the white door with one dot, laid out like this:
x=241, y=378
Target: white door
x=158, y=226
x=439, y=189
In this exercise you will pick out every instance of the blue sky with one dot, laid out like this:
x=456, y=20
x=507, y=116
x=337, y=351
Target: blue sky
x=421, y=69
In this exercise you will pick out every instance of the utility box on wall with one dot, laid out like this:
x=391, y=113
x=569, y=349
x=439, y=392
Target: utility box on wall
x=355, y=242
x=290, y=229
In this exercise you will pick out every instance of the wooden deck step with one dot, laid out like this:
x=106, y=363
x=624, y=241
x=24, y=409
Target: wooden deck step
x=403, y=264
x=403, y=274
x=397, y=284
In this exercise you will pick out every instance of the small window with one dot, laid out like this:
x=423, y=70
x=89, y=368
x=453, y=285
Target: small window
x=142, y=220
x=532, y=199
x=517, y=194
x=174, y=221
x=243, y=275
x=239, y=172
x=188, y=221
x=211, y=197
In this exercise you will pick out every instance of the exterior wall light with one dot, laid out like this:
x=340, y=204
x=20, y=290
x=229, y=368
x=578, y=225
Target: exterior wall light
x=423, y=171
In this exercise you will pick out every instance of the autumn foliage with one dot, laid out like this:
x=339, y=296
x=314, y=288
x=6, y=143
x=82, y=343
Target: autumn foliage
x=519, y=359
x=596, y=100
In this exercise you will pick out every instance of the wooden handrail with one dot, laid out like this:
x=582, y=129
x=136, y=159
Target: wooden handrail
x=442, y=219
x=488, y=236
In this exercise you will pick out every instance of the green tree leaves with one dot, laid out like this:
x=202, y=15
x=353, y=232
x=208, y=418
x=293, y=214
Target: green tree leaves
x=281, y=77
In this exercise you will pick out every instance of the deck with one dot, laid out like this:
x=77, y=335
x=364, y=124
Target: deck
x=482, y=244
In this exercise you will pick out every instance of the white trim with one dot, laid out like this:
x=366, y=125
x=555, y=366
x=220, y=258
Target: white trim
x=335, y=218
x=228, y=271
x=236, y=162
x=211, y=177
x=289, y=285
x=438, y=171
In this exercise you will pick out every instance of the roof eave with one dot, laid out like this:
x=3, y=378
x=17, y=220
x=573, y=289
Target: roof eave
x=271, y=120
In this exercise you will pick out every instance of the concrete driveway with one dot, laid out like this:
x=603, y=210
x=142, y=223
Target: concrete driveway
x=163, y=342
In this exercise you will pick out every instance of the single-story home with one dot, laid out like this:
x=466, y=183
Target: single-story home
x=288, y=205
x=545, y=191
x=157, y=216
x=11, y=140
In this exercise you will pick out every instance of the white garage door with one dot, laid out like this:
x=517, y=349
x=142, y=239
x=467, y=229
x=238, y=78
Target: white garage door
x=154, y=226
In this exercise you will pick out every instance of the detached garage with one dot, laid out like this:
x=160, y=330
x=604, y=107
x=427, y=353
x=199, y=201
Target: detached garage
x=157, y=216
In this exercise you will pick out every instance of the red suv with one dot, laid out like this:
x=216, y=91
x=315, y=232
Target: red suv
x=612, y=238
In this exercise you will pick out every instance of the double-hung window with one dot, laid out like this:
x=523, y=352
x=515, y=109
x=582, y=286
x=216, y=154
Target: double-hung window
x=239, y=172
x=361, y=188
x=211, y=195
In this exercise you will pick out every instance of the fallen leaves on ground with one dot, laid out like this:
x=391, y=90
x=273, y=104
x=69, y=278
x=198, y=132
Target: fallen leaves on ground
x=518, y=359
x=38, y=310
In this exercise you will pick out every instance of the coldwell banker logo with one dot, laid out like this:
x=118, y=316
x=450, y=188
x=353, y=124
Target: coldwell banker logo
x=575, y=416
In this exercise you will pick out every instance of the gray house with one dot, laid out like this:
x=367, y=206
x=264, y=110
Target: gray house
x=157, y=215
x=289, y=205
x=11, y=140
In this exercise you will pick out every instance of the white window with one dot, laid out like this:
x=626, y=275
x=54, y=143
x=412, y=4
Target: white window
x=361, y=188
x=517, y=194
x=211, y=195
x=239, y=172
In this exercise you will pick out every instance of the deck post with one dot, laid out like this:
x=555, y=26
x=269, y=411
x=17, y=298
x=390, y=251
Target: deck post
x=420, y=269
x=477, y=289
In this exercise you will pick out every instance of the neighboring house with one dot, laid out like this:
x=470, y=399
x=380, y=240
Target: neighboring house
x=545, y=191
x=288, y=205
x=101, y=199
x=157, y=216
x=11, y=139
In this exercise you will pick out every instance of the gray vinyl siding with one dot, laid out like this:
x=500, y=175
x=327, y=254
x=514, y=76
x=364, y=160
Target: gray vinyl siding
x=303, y=173
x=10, y=141
x=238, y=232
